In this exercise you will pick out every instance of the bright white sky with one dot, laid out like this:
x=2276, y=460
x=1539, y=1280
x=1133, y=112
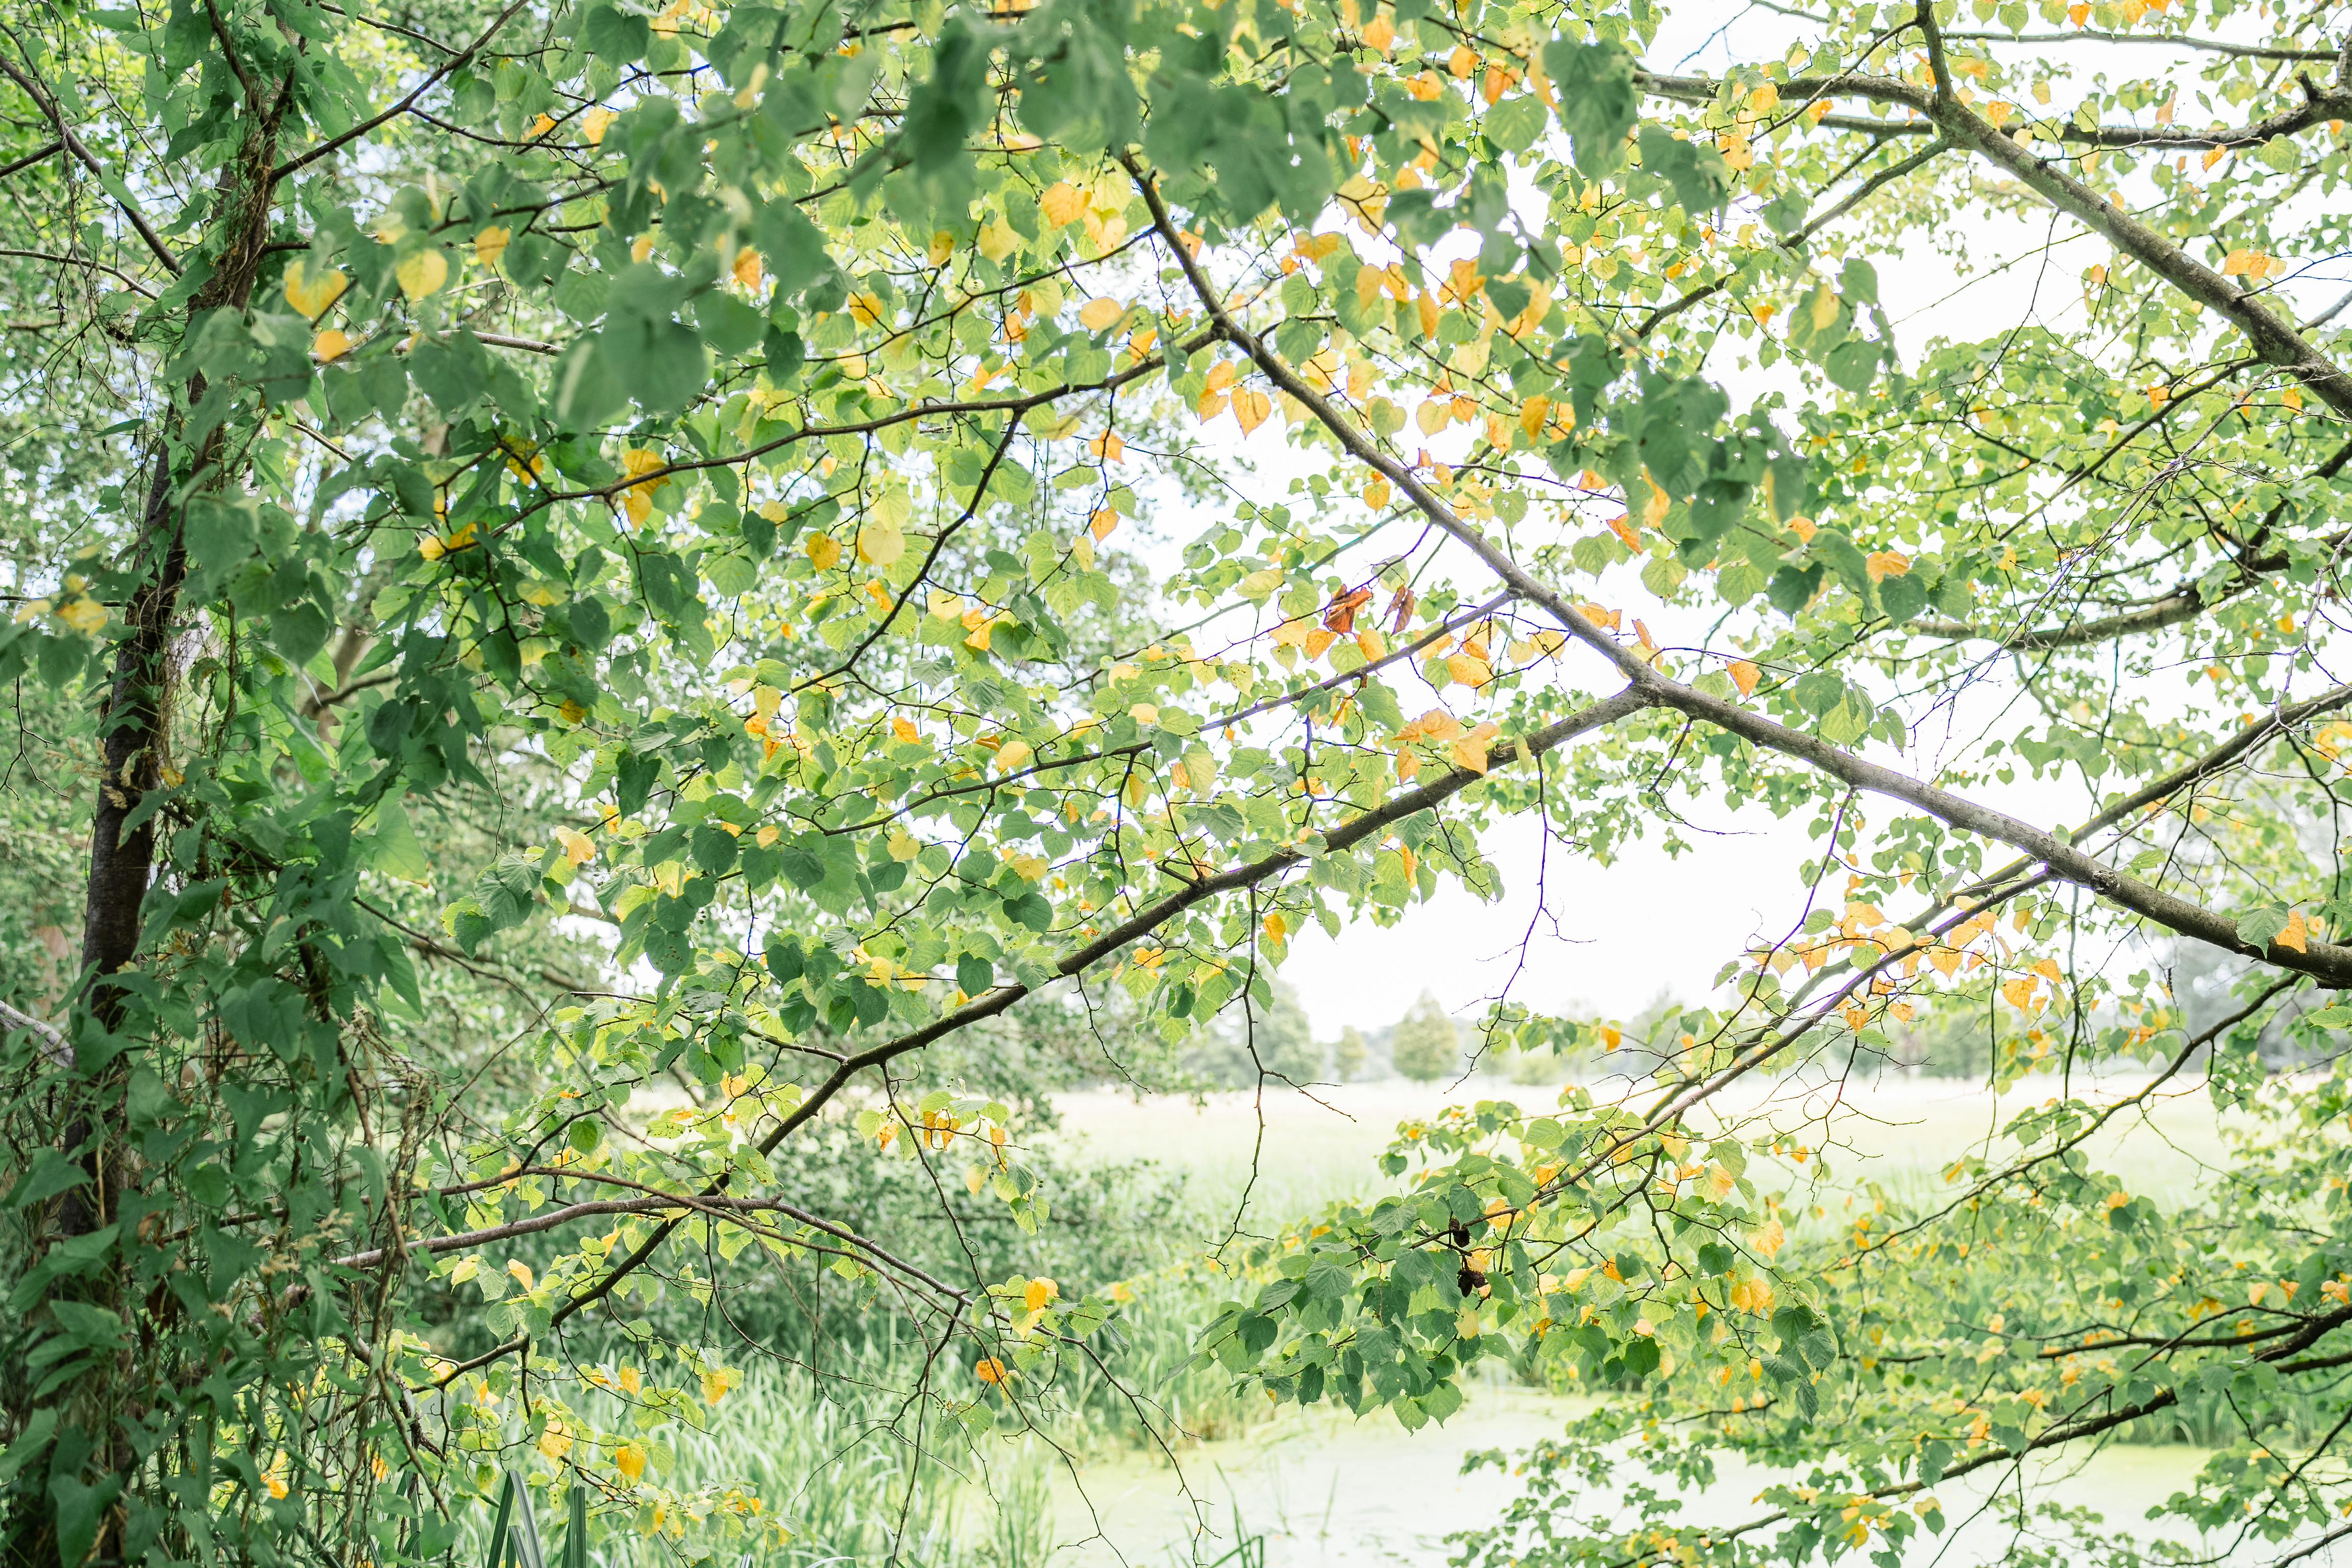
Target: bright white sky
x=1570, y=934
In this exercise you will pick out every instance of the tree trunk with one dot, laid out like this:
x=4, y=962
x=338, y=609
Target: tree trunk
x=91, y=1446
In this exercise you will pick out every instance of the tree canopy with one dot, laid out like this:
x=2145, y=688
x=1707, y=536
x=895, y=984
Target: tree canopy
x=593, y=610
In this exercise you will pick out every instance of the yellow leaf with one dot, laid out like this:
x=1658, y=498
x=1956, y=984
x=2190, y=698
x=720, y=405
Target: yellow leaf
x=824, y=550
x=1101, y=523
x=331, y=345
x=998, y=239
x=1037, y=1292
x=1770, y=1238
x=2296, y=935
x=2019, y=992
x=578, y=847
x=715, y=1384
x=84, y=614
x=422, y=274
x=1109, y=445
x=1654, y=509
x=1469, y=669
x=1098, y=314
x=880, y=541
x=1376, y=493
x=1433, y=416
x=1470, y=751
x=311, y=296
x=592, y=124
x=989, y=1370
x=1379, y=33
x=521, y=1272
x=943, y=246
x=492, y=244
x=1063, y=202
x=639, y=497
x=630, y=1461
x=1250, y=407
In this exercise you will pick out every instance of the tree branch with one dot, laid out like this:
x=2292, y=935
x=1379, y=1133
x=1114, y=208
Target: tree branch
x=447, y=67
x=2325, y=961
x=73, y=143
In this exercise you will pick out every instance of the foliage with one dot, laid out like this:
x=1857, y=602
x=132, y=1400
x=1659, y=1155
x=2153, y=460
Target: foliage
x=597, y=572
x=1350, y=1055
x=1425, y=1045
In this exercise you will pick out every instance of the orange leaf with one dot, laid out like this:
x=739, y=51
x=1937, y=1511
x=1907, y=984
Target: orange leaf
x=1745, y=676
x=1340, y=615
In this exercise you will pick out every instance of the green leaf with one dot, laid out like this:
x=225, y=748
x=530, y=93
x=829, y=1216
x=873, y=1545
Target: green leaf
x=1700, y=178
x=1792, y=588
x=944, y=110
x=1513, y=124
x=394, y=847
x=1598, y=101
x=1902, y=597
x=49, y=1173
x=2258, y=926
x=81, y=1508
x=1835, y=547
x=1853, y=364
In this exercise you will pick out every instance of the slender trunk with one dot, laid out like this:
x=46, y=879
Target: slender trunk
x=91, y=1447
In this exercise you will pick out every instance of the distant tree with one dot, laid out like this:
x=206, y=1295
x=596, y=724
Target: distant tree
x=1248, y=1040
x=1350, y=1055
x=1426, y=1047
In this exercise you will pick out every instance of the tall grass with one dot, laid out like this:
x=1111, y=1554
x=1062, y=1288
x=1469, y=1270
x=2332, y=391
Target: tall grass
x=839, y=1479
x=864, y=1466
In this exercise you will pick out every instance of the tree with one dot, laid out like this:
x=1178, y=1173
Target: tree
x=1350, y=1055
x=1425, y=1045
x=1253, y=1042
x=575, y=551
